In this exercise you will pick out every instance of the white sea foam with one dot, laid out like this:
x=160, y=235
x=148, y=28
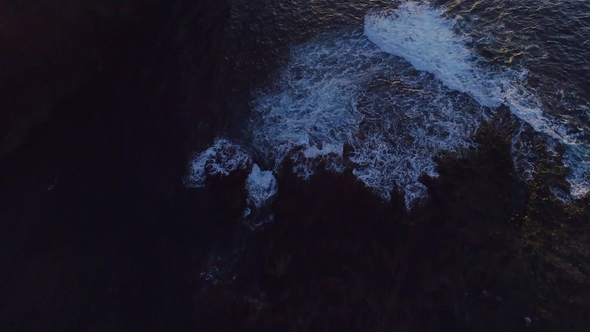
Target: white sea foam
x=397, y=94
x=577, y=159
x=224, y=158
x=420, y=34
x=315, y=109
x=343, y=90
x=221, y=159
x=262, y=187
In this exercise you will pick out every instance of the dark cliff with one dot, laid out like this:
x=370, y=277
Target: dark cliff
x=51, y=51
x=96, y=100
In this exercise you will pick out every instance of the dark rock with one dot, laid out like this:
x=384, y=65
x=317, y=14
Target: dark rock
x=118, y=242
x=49, y=49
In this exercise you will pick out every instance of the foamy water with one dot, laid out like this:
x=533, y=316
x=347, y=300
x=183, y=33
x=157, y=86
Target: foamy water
x=223, y=159
x=397, y=115
x=344, y=90
x=397, y=94
x=262, y=187
x=420, y=34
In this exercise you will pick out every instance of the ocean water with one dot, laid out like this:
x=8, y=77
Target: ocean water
x=382, y=89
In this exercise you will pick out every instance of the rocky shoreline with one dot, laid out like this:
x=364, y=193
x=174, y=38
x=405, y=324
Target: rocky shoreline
x=482, y=254
x=98, y=233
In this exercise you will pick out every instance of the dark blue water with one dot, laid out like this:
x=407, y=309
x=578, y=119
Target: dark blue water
x=309, y=75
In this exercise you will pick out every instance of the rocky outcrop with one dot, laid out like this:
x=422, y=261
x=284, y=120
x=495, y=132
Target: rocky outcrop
x=486, y=252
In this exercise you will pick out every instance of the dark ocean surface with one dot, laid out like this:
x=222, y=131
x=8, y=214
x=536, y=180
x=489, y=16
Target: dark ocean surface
x=312, y=165
x=319, y=62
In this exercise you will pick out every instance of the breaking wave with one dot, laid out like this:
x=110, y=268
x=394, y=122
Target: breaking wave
x=221, y=159
x=420, y=34
x=395, y=115
x=384, y=102
x=225, y=158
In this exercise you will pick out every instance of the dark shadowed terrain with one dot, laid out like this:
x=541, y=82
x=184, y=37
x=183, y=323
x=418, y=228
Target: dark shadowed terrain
x=102, y=104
